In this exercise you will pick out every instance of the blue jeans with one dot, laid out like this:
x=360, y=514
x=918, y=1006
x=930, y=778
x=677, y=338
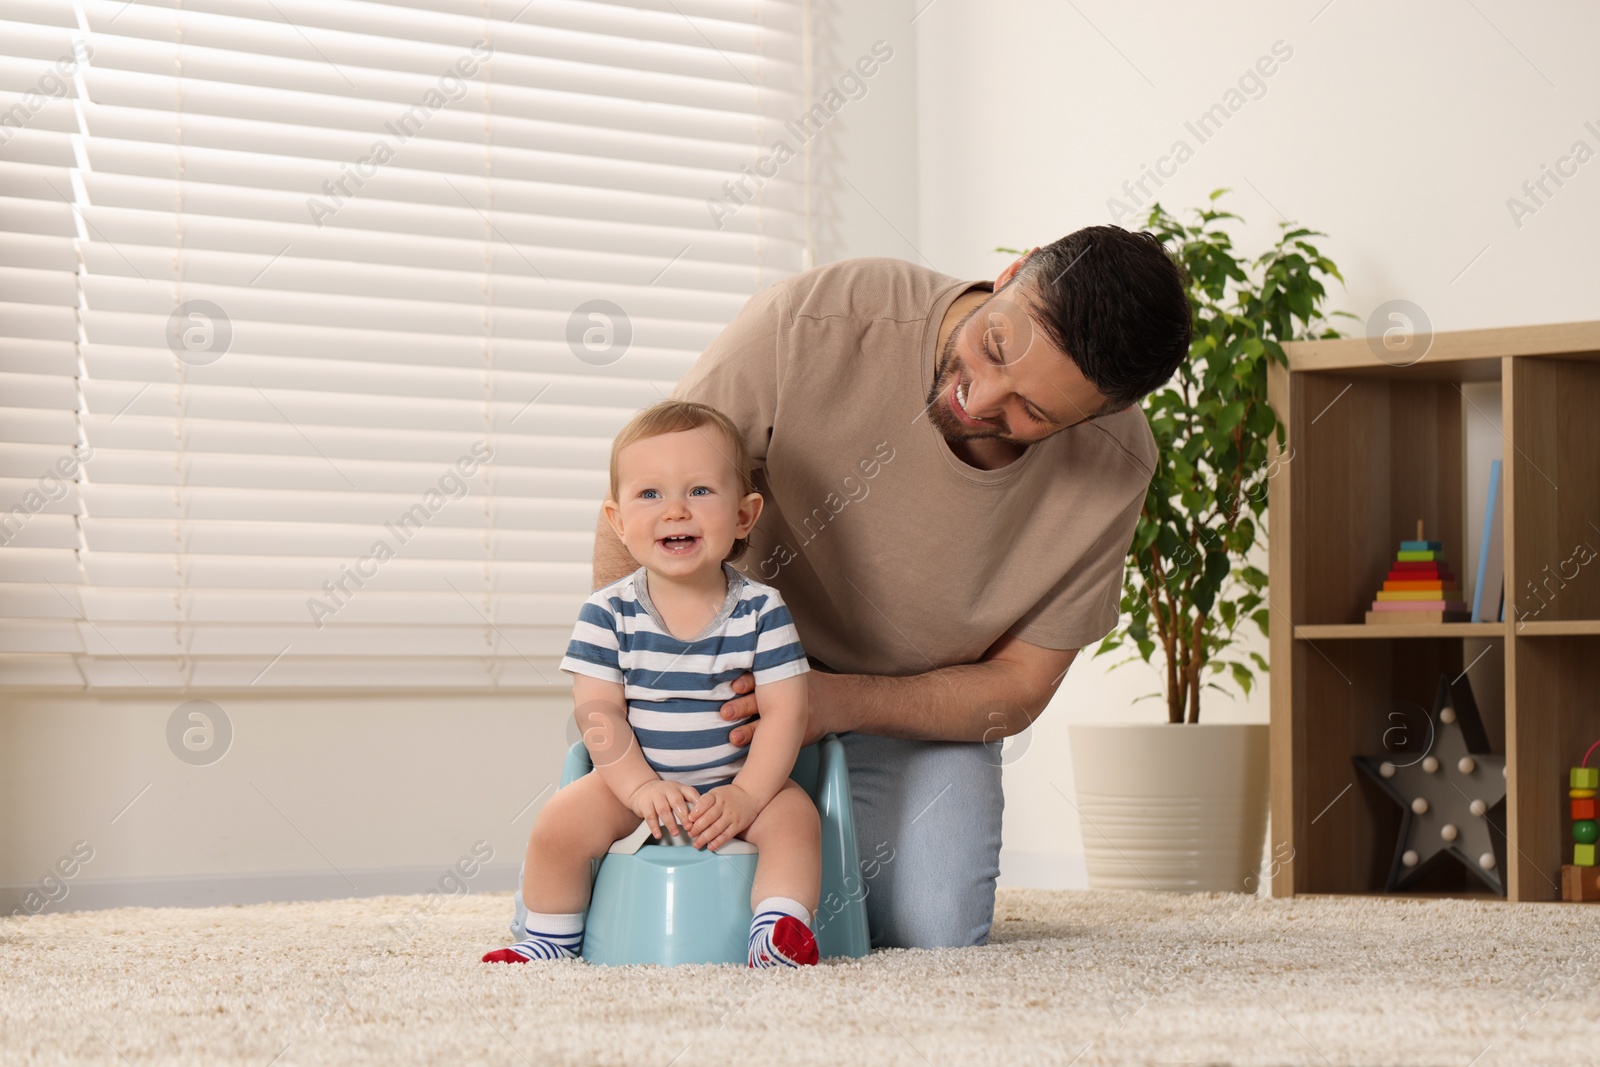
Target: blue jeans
x=928, y=830
x=928, y=833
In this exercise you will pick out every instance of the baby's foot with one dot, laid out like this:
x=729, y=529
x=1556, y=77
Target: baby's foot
x=780, y=937
x=550, y=936
x=541, y=946
x=533, y=948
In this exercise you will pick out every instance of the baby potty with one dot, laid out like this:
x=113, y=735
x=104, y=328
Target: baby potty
x=668, y=902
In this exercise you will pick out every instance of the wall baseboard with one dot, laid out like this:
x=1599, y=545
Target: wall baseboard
x=204, y=891
x=1042, y=870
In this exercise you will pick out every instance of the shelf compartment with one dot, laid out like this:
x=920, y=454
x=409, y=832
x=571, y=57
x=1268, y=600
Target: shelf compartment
x=1371, y=457
x=1554, y=492
x=1553, y=717
x=1363, y=698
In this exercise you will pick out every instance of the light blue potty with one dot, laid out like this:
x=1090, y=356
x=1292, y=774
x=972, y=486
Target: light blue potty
x=670, y=903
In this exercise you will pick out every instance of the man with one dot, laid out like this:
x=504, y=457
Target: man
x=953, y=471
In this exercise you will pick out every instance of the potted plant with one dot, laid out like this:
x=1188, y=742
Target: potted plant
x=1170, y=806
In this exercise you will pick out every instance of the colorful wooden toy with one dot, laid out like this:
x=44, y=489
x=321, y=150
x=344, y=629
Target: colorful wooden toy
x=1578, y=879
x=1419, y=588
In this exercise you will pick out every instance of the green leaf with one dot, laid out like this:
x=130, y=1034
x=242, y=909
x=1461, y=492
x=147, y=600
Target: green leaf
x=1167, y=541
x=1217, y=564
x=1242, y=676
x=1261, y=420
x=1230, y=417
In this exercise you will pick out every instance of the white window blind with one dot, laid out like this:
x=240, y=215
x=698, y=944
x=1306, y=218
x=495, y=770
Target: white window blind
x=282, y=282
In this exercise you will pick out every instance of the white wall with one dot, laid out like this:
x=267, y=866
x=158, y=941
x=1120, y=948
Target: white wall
x=1400, y=130
x=865, y=160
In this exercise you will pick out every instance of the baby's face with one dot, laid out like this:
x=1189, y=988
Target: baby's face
x=679, y=509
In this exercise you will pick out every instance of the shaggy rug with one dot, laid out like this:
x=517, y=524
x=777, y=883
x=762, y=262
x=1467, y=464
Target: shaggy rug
x=1067, y=978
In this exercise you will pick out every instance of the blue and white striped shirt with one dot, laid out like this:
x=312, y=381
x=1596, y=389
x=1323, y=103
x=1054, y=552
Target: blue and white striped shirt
x=674, y=688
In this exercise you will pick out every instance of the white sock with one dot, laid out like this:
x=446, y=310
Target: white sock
x=551, y=936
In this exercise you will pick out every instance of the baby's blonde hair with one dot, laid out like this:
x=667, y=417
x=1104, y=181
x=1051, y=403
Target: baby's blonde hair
x=673, y=416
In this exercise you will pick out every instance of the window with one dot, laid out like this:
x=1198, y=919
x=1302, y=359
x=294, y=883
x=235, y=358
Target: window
x=316, y=320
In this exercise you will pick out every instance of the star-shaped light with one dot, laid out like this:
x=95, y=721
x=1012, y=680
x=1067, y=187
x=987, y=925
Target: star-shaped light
x=1452, y=795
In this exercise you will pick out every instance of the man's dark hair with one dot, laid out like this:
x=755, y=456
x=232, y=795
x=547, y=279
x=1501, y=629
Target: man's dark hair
x=1116, y=303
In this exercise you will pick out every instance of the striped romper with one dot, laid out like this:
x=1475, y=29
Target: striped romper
x=674, y=688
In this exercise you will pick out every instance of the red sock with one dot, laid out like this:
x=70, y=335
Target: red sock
x=794, y=939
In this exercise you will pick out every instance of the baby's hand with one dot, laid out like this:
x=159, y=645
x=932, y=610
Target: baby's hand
x=721, y=815
x=659, y=798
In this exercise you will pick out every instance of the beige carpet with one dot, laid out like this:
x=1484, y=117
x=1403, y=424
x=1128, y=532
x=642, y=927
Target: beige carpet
x=1084, y=978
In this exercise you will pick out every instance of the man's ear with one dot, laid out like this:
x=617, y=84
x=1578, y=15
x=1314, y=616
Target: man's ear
x=749, y=511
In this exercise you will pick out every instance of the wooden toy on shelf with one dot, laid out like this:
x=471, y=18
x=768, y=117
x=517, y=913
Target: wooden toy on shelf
x=1419, y=587
x=1580, y=879
x=1579, y=884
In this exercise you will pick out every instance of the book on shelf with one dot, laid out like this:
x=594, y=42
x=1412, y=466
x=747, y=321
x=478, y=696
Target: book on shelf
x=1488, y=596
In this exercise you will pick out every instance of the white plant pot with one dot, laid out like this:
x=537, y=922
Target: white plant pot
x=1172, y=807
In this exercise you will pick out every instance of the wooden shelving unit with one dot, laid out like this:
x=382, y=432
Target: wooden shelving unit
x=1376, y=447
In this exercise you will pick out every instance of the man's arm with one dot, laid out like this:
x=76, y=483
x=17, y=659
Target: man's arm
x=612, y=560
x=996, y=697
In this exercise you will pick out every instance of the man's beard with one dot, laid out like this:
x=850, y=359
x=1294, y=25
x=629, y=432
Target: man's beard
x=943, y=419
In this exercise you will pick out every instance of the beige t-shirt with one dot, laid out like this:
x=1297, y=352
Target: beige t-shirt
x=895, y=556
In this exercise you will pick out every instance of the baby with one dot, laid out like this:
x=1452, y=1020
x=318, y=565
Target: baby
x=653, y=658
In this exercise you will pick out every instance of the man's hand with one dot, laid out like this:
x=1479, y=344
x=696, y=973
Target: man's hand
x=1000, y=695
x=659, y=798
x=721, y=815
x=817, y=727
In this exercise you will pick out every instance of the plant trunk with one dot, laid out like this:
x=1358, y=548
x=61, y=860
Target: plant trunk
x=1196, y=661
x=1166, y=630
x=1174, y=694
x=1174, y=647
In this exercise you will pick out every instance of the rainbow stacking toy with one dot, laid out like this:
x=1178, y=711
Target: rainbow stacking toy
x=1419, y=588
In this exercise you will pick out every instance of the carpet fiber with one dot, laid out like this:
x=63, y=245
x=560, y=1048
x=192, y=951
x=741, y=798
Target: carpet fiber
x=1068, y=977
